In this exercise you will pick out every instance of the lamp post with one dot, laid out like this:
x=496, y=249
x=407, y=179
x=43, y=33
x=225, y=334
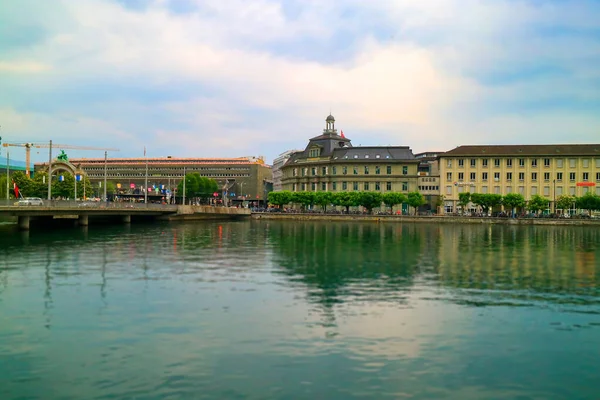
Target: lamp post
x=50, y=171
x=184, y=186
x=146, y=179
x=105, y=170
x=554, y=194
x=7, y=175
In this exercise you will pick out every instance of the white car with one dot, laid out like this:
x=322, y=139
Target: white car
x=30, y=201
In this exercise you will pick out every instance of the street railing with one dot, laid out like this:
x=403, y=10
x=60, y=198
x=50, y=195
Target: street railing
x=80, y=204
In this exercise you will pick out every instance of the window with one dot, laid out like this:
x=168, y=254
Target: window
x=597, y=176
x=546, y=176
x=366, y=186
x=534, y=176
x=295, y=172
x=484, y=189
x=461, y=176
x=334, y=186
x=509, y=162
x=534, y=162
x=473, y=162
x=521, y=162
x=313, y=171
x=496, y=176
x=521, y=189
x=597, y=162
x=313, y=186
x=586, y=176
x=460, y=189
x=449, y=176
x=303, y=187
x=534, y=190
x=355, y=186
x=355, y=170
x=546, y=162
x=344, y=170
x=484, y=176
x=388, y=185
x=377, y=186
x=559, y=190
x=389, y=169
x=559, y=176
x=496, y=162
x=344, y=185
x=472, y=176
x=497, y=189
x=334, y=170
x=323, y=170
x=366, y=170
x=572, y=190
x=313, y=153
x=303, y=171
x=508, y=189
x=546, y=190
x=572, y=163
x=484, y=162
x=324, y=186
x=404, y=170
x=449, y=164
x=377, y=170
x=572, y=176
x=559, y=163
x=509, y=176
x=461, y=163
x=448, y=189
x=404, y=186
x=585, y=163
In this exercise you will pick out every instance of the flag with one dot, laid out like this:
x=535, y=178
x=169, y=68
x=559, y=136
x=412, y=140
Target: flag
x=16, y=189
x=342, y=132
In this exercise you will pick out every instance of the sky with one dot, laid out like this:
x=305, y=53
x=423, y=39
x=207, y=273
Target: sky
x=232, y=78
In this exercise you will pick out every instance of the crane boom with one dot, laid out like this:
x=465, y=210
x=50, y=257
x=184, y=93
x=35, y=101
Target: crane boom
x=28, y=147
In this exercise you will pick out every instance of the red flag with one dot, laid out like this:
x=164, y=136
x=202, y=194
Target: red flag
x=342, y=132
x=16, y=189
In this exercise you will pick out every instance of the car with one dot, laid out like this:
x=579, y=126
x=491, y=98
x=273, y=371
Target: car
x=30, y=201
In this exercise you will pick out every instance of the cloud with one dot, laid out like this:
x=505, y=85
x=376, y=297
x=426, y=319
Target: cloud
x=213, y=78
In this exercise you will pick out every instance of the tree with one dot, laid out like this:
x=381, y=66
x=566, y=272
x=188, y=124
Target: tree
x=514, y=200
x=280, y=198
x=346, y=199
x=369, y=200
x=415, y=200
x=304, y=198
x=588, y=201
x=323, y=199
x=565, y=202
x=537, y=203
x=463, y=200
x=391, y=199
x=486, y=201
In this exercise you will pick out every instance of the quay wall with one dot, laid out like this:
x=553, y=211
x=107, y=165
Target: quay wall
x=189, y=213
x=425, y=219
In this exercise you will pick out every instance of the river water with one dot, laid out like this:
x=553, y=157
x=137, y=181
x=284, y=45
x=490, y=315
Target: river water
x=300, y=310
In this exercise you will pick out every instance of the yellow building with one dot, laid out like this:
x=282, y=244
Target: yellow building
x=546, y=170
x=330, y=163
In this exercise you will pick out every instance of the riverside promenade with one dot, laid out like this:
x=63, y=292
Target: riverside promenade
x=83, y=213
x=443, y=219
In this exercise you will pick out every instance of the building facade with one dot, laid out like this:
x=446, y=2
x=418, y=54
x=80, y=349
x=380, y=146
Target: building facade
x=546, y=170
x=244, y=178
x=330, y=163
x=428, y=182
x=277, y=172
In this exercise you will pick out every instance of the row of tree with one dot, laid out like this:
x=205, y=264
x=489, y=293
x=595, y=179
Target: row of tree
x=197, y=186
x=38, y=186
x=368, y=200
x=516, y=201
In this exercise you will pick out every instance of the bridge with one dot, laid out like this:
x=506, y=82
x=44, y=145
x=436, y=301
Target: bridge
x=84, y=213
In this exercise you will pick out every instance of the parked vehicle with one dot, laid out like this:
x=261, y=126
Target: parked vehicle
x=30, y=201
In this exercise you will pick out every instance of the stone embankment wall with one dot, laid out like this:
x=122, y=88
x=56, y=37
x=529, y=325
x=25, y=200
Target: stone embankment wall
x=424, y=219
x=209, y=212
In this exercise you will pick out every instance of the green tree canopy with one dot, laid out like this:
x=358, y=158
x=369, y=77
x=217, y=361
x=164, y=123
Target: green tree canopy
x=565, y=202
x=588, y=201
x=464, y=199
x=513, y=200
x=304, y=198
x=280, y=198
x=369, y=200
x=346, y=199
x=537, y=203
x=415, y=200
x=391, y=199
x=324, y=199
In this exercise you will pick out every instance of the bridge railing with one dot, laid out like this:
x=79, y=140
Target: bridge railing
x=79, y=204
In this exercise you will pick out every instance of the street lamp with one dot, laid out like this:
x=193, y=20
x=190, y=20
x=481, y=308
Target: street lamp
x=554, y=194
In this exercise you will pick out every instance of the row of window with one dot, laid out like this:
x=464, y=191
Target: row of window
x=150, y=168
x=343, y=186
x=314, y=171
x=163, y=175
x=533, y=190
x=585, y=176
x=547, y=162
x=429, y=188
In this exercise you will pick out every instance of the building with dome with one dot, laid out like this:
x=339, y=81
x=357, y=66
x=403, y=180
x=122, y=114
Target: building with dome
x=331, y=163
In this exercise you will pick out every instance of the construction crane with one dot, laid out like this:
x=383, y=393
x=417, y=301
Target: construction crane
x=28, y=147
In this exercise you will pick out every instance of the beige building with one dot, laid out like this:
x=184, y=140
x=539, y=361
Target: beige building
x=330, y=163
x=428, y=182
x=546, y=170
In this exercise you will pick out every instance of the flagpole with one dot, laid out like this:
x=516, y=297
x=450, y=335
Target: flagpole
x=105, y=171
x=50, y=172
x=7, y=175
x=184, y=186
x=146, y=180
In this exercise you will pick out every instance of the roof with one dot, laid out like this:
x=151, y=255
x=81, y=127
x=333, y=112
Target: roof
x=164, y=160
x=374, y=153
x=330, y=118
x=526, y=150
